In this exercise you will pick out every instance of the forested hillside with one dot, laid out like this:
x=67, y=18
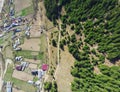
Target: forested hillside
x=98, y=22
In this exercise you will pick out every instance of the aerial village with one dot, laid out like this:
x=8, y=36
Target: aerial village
x=20, y=47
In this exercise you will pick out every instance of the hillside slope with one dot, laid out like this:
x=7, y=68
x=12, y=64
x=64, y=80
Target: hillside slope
x=93, y=39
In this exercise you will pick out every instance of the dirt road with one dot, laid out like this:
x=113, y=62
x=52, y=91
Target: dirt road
x=1, y=67
x=7, y=61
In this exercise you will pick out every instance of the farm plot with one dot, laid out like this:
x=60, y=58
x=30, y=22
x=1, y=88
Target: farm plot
x=33, y=61
x=31, y=44
x=35, y=31
x=22, y=75
x=21, y=4
x=32, y=66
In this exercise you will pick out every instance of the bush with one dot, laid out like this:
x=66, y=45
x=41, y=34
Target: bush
x=54, y=43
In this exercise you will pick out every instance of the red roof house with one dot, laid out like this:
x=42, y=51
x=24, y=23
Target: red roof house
x=44, y=67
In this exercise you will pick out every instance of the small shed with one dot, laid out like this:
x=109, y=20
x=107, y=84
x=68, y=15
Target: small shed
x=9, y=87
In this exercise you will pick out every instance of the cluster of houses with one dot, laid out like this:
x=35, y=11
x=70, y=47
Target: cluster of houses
x=11, y=25
x=35, y=72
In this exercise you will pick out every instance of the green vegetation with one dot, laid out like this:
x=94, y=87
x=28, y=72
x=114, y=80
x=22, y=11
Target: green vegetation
x=17, y=83
x=1, y=41
x=27, y=11
x=29, y=54
x=99, y=22
x=50, y=86
x=54, y=43
x=43, y=46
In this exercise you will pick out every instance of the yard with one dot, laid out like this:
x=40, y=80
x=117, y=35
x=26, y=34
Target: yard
x=22, y=4
x=32, y=61
x=22, y=75
x=30, y=54
x=31, y=44
x=22, y=85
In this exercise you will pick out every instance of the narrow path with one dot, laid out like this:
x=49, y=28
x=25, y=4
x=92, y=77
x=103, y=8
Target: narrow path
x=58, y=47
x=1, y=4
x=7, y=61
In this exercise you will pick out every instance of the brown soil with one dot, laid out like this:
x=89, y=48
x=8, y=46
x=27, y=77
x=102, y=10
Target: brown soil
x=32, y=66
x=21, y=4
x=22, y=75
x=31, y=44
x=97, y=70
x=16, y=90
x=62, y=74
x=117, y=63
x=108, y=63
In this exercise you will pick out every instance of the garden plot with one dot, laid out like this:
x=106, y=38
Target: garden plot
x=21, y=4
x=22, y=75
x=31, y=44
x=32, y=66
x=33, y=61
x=35, y=32
x=17, y=90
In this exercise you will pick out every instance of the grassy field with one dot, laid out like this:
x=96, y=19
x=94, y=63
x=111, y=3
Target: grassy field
x=27, y=11
x=1, y=40
x=43, y=46
x=18, y=83
x=28, y=54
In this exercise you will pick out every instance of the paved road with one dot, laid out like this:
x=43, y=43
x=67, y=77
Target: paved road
x=1, y=5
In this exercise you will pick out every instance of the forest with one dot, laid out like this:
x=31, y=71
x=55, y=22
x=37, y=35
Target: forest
x=99, y=22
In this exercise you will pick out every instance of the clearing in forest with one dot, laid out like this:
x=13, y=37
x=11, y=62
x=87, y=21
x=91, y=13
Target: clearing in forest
x=62, y=75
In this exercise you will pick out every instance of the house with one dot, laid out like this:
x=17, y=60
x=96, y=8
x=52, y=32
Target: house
x=24, y=65
x=40, y=73
x=14, y=46
x=19, y=67
x=17, y=42
x=34, y=72
x=12, y=11
x=44, y=67
x=27, y=33
x=9, y=87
